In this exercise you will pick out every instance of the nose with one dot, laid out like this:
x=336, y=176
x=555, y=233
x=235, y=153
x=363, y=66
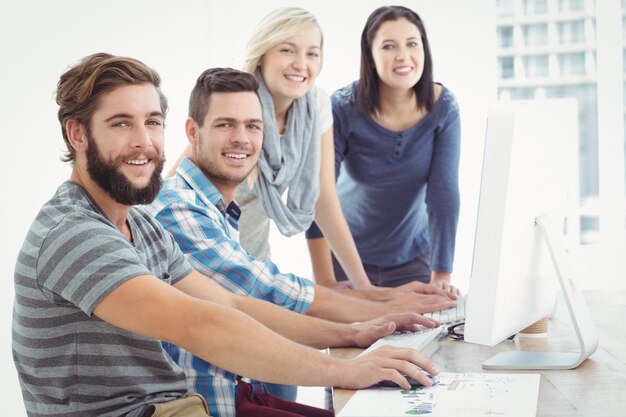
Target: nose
x=142, y=138
x=299, y=62
x=401, y=54
x=240, y=135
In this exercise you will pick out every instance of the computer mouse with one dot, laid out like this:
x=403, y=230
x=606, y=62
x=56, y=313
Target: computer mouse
x=414, y=383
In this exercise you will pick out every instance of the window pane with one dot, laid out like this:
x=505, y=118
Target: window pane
x=504, y=8
x=587, y=98
x=506, y=67
x=589, y=229
x=536, y=66
x=505, y=36
x=571, y=32
x=535, y=34
x=572, y=64
x=571, y=5
x=535, y=7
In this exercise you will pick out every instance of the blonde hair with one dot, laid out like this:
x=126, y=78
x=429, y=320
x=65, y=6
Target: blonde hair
x=274, y=29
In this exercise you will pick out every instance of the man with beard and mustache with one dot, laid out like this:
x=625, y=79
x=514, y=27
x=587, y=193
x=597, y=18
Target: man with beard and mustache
x=99, y=283
x=197, y=207
x=109, y=177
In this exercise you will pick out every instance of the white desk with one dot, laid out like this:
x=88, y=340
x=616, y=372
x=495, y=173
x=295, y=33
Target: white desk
x=596, y=388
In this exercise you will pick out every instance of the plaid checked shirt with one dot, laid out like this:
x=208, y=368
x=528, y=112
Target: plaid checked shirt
x=194, y=212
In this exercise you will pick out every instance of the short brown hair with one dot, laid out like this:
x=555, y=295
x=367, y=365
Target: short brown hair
x=81, y=86
x=218, y=80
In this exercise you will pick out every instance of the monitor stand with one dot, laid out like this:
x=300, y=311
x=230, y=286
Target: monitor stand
x=584, y=327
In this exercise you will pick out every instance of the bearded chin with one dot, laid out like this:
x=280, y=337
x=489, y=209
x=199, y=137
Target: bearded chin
x=107, y=175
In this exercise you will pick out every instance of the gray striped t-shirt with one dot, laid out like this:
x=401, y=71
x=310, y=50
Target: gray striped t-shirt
x=69, y=362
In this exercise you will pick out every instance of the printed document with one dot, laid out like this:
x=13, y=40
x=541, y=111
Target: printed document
x=457, y=395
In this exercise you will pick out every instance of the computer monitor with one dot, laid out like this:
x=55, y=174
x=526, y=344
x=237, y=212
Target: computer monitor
x=519, y=256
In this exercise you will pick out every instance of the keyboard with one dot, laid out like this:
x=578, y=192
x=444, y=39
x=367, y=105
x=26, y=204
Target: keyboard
x=426, y=341
x=452, y=315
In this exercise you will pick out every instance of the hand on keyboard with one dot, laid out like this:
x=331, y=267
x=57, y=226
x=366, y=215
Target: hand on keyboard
x=370, y=331
x=419, y=303
x=450, y=315
x=388, y=293
x=424, y=341
x=442, y=280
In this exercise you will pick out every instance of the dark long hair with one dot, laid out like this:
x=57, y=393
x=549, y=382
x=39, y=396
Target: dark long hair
x=368, y=91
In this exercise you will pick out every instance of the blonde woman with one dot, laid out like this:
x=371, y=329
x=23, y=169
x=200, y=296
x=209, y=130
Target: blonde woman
x=297, y=161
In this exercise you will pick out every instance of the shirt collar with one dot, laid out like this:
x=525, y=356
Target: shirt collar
x=199, y=182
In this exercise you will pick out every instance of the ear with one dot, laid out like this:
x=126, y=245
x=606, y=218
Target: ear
x=77, y=135
x=191, y=129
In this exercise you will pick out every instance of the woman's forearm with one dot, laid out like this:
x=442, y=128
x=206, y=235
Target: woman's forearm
x=321, y=262
x=331, y=221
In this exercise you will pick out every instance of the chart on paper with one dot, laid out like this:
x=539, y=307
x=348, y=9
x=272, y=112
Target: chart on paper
x=457, y=394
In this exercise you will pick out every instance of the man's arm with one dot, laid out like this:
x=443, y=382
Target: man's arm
x=233, y=340
x=216, y=254
x=311, y=331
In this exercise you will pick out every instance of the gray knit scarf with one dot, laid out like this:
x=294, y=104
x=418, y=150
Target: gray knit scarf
x=289, y=163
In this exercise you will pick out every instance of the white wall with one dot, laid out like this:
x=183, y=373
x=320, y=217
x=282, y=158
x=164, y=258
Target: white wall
x=40, y=38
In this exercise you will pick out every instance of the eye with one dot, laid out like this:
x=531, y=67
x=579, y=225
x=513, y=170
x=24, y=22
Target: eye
x=288, y=51
x=224, y=125
x=154, y=122
x=314, y=54
x=121, y=124
x=413, y=44
x=252, y=126
x=388, y=47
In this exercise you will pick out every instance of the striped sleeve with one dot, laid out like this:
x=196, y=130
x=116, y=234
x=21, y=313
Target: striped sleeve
x=84, y=266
